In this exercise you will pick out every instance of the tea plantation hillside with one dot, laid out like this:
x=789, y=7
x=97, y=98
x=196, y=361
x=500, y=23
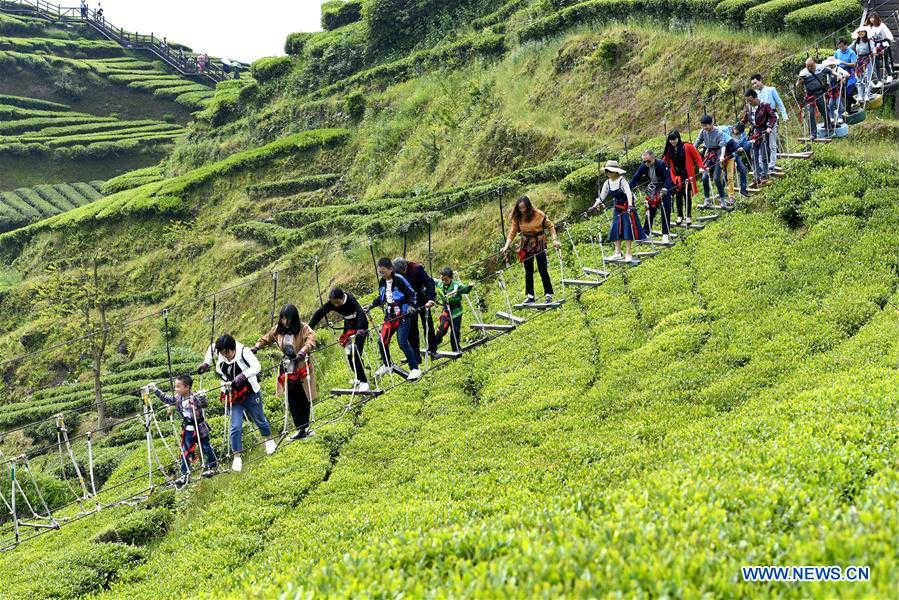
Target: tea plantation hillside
x=117, y=99
x=728, y=402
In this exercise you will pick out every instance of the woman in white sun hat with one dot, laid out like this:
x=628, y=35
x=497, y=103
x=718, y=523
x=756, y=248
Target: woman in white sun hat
x=626, y=224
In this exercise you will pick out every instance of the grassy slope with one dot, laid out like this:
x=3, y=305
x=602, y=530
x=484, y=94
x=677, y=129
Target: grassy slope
x=701, y=413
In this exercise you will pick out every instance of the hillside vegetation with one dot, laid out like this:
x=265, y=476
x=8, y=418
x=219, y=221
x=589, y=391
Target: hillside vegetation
x=728, y=402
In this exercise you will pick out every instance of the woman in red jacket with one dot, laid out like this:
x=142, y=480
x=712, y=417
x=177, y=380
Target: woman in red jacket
x=684, y=163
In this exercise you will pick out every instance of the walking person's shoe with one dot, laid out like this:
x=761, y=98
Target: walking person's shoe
x=414, y=374
x=744, y=193
x=549, y=298
x=706, y=204
x=679, y=220
x=270, y=447
x=723, y=202
x=665, y=238
x=382, y=371
x=182, y=481
x=299, y=435
x=210, y=472
x=688, y=221
x=616, y=256
x=237, y=464
x=362, y=386
x=528, y=299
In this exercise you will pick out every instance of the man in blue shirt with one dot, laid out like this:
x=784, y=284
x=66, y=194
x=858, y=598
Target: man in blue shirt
x=846, y=59
x=769, y=95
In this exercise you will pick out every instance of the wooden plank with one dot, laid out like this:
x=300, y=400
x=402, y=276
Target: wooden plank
x=704, y=218
x=621, y=261
x=540, y=305
x=598, y=272
x=492, y=326
x=800, y=155
x=351, y=392
x=656, y=243
x=583, y=282
x=510, y=317
x=646, y=254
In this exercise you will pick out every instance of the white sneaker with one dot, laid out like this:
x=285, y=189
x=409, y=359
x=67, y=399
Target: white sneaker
x=382, y=371
x=362, y=387
x=270, y=447
x=616, y=256
x=237, y=464
x=414, y=374
x=665, y=238
x=629, y=258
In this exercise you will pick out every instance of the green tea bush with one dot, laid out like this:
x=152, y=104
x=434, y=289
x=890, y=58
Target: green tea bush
x=267, y=69
x=292, y=186
x=769, y=16
x=132, y=179
x=295, y=43
x=337, y=13
x=399, y=24
x=65, y=48
x=23, y=102
x=55, y=492
x=139, y=528
x=95, y=567
x=33, y=199
x=44, y=434
x=826, y=16
x=735, y=10
x=51, y=195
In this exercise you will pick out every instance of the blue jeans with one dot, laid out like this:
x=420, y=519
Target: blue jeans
x=718, y=176
x=205, y=446
x=402, y=338
x=760, y=159
x=252, y=405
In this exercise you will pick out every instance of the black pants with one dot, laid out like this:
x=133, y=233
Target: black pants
x=665, y=206
x=543, y=266
x=354, y=357
x=300, y=406
x=685, y=196
x=427, y=324
x=821, y=103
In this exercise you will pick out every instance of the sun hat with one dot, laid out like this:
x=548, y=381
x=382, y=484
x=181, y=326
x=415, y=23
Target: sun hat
x=613, y=166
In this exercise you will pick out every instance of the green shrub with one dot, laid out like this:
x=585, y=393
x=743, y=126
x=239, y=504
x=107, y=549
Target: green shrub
x=45, y=433
x=34, y=103
x=770, y=15
x=575, y=15
x=735, y=10
x=292, y=186
x=67, y=84
x=354, y=103
x=267, y=233
x=295, y=43
x=161, y=499
x=399, y=24
x=826, y=16
x=54, y=492
x=499, y=15
x=94, y=567
x=337, y=13
x=140, y=527
x=257, y=261
x=266, y=69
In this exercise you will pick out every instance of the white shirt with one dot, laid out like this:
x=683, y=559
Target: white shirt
x=880, y=33
x=613, y=186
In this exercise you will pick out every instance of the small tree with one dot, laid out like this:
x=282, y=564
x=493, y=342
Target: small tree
x=78, y=301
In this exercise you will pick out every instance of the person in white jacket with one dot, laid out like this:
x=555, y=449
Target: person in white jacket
x=238, y=365
x=883, y=42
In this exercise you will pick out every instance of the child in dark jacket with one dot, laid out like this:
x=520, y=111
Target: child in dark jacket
x=193, y=426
